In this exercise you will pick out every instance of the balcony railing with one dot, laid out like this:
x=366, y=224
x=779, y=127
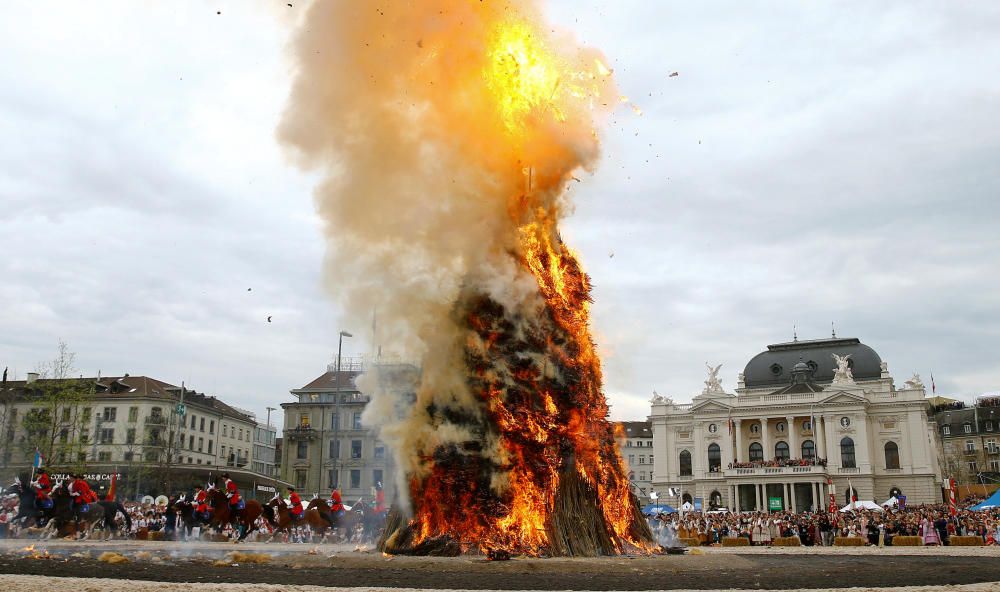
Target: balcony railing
x=713, y=475
x=302, y=432
x=847, y=470
x=156, y=420
x=766, y=471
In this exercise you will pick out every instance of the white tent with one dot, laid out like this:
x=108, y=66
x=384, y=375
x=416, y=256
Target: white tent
x=892, y=502
x=862, y=505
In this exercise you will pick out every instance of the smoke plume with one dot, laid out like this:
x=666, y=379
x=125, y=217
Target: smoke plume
x=445, y=132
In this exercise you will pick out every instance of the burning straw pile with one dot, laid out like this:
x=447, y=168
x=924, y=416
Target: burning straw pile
x=448, y=131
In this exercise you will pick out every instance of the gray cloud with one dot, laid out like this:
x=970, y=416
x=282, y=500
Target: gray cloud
x=810, y=163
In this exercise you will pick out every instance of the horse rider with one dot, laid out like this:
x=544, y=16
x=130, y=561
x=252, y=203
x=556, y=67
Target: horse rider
x=43, y=489
x=379, y=498
x=233, y=495
x=81, y=493
x=337, y=509
x=201, y=503
x=295, y=504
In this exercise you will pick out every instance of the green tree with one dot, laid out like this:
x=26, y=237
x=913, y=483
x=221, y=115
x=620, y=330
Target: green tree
x=58, y=422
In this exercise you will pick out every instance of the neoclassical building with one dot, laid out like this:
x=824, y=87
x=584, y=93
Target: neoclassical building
x=808, y=419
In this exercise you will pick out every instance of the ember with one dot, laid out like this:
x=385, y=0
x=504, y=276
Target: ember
x=455, y=128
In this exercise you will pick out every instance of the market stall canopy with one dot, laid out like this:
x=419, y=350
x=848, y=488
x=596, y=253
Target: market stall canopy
x=862, y=505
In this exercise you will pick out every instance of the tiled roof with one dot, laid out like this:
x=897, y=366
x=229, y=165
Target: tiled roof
x=131, y=387
x=636, y=429
x=331, y=380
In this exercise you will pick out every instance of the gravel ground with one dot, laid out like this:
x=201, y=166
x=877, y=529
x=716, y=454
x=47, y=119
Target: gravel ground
x=341, y=566
x=104, y=585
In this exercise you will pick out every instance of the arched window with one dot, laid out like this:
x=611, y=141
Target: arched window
x=715, y=500
x=847, y=453
x=686, y=498
x=685, y=463
x=891, y=455
x=756, y=452
x=781, y=451
x=714, y=457
x=808, y=450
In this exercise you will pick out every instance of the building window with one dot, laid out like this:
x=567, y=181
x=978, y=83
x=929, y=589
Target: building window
x=335, y=421
x=755, y=428
x=685, y=459
x=66, y=414
x=631, y=460
x=110, y=413
x=847, y=454
x=222, y=452
x=300, y=479
x=357, y=420
x=642, y=475
x=377, y=477
x=104, y=457
x=379, y=452
x=332, y=476
x=194, y=419
x=355, y=478
x=130, y=436
x=946, y=430
x=129, y=456
x=967, y=428
x=201, y=425
x=989, y=426
x=756, y=452
x=86, y=414
x=714, y=458
x=201, y=444
x=650, y=461
x=304, y=420
x=891, y=455
x=781, y=451
x=991, y=446
x=995, y=466
x=970, y=446
x=225, y=431
x=190, y=442
x=64, y=435
x=642, y=459
x=807, y=426
x=355, y=448
x=302, y=451
x=335, y=449
x=133, y=414
x=107, y=436
x=210, y=447
x=972, y=466
x=808, y=450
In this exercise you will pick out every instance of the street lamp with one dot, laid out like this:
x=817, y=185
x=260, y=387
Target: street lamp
x=336, y=410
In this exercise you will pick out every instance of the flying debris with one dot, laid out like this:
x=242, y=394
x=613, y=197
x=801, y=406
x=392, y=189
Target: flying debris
x=269, y=319
x=674, y=74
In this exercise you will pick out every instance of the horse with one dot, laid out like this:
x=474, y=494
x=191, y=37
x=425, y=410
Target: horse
x=348, y=520
x=99, y=514
x=27, y=507
x=279, y=516
x=185, y=509
x=221, y=514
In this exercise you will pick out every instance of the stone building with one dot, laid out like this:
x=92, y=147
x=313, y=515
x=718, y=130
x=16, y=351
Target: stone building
x=325, y=444
x=635, y=441
x=153, y=436
x=970, y=439
x=808, y=419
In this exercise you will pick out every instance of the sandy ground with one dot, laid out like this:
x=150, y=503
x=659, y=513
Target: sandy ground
x=106, y=585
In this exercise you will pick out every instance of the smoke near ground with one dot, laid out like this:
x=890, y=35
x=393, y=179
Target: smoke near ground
x=444, y=132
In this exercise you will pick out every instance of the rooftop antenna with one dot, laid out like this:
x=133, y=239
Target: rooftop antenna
x=833, y=330
x=795, y=333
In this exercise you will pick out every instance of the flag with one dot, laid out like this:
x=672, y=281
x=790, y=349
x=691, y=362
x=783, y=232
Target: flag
x=952, y=509
x=38, y=459
x=111, y=490
x=854, y=495
x=933, y=386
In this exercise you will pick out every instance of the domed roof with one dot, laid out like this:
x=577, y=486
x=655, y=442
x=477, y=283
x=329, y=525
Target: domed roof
x=775, y=366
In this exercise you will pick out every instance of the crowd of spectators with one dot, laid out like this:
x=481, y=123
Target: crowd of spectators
x=780, y=462
x=933, y=524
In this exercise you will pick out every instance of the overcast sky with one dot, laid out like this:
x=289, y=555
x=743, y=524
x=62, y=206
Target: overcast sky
x=811, y=162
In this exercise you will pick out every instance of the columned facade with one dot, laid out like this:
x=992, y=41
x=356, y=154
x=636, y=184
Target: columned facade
x=802, y=425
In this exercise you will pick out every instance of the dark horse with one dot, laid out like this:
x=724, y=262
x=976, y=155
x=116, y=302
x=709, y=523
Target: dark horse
x=28, y=509
x=185, y=509
x=221, y=514
x=66, y=521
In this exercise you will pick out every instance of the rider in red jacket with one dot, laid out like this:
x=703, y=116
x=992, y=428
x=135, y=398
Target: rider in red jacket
x=295, y=502
x=379, y=498
x=201, y=503
x=336, y=504
x=43, y=485
x=233, y=495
